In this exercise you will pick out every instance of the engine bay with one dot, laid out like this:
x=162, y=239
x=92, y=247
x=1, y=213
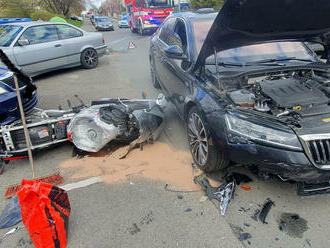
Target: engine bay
x=289, y=96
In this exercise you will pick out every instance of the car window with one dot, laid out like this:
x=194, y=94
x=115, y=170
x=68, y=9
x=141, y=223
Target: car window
x=180, y=34
x=67, y=32
x=8, y=33
x=40, y=34
x=167, y=31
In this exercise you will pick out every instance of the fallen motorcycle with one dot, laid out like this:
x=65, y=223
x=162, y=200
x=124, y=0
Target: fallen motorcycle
x=46, y=128
x=117, y=119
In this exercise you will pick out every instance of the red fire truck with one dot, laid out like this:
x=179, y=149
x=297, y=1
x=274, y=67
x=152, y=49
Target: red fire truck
x=146, y=15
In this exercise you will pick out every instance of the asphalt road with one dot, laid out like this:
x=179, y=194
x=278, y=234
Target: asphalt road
x=143, y=214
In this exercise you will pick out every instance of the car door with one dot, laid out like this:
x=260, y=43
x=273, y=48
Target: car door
x=174, y=71
x=43, y=52
x=158, y=52
x=72, y=41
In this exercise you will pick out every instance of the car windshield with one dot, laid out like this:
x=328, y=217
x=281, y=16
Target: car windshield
x=157, y=3
x=102, y=19
x=8, y=33
x=252, y=53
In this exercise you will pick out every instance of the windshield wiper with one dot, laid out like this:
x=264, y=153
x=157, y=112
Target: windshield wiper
x=278, y=60
x=224, y=64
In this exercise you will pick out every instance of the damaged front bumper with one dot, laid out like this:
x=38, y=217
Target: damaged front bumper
x=288, y=165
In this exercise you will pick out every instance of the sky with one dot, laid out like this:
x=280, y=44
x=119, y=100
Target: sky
x=97, y=3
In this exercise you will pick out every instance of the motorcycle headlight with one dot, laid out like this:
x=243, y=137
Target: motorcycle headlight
x=240, y=129
x=2, y=91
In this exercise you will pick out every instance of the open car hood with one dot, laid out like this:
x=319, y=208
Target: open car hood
x=247, y=22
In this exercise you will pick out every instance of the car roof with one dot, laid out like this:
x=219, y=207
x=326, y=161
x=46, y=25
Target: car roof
x=195, y=16
x=34, y=23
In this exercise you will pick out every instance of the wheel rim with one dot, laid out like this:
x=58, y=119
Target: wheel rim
x=198, y=139
x=90, y=57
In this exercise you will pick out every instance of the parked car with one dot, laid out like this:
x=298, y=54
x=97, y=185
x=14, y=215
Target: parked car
x=250, y=91
x=76, y=18
x=9, y=111
x=123, y=24
x=103, y=24
x=39, y=47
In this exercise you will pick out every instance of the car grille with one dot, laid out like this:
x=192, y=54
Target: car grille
x=317, y=148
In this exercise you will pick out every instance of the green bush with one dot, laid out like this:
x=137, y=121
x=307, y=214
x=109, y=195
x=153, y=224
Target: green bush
x=75, y=23
x=43, y=15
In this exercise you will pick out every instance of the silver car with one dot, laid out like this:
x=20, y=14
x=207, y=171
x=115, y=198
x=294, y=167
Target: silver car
x=39, y=47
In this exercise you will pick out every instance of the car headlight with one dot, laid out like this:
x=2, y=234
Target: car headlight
x=3, y=91
x=240, y=130
x=146, y=22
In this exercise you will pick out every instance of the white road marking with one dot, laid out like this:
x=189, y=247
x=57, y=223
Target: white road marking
x=81, y=184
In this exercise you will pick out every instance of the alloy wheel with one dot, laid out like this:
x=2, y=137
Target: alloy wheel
x=197, y=137
x=90, y=58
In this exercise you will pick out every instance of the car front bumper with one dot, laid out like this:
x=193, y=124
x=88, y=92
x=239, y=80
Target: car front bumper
x=100, y=28
x=101, y=50
x=12, y=115
x=284, y=163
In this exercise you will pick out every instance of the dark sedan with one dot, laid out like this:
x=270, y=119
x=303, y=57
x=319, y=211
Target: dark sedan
x=9, y=111
x=103, y=24
x=250, y=91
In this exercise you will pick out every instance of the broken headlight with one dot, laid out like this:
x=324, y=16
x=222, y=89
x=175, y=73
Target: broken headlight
x=240, y=130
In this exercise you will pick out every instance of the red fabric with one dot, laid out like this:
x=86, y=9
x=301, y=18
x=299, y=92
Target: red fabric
x=45, y=211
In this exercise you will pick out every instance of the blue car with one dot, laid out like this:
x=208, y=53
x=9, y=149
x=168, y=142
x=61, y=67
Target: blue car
x=9, y=111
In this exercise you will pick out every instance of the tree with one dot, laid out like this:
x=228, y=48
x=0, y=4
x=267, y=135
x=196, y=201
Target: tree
x=216, y=4
x=63, y=7
x=15, y=8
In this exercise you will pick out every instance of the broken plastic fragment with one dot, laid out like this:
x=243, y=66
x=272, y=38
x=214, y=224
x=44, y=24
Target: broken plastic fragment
x=222, y=194
x=11, y=214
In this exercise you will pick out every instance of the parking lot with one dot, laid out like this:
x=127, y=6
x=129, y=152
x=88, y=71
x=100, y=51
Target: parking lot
x=139, y=212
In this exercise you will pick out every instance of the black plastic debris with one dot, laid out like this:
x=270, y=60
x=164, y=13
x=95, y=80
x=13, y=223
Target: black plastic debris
x=188, y=210
x=305, y=189
x=11, y=215
x=292, y=224
x=237, y=177
x=244, y=236
x=223, y=194
x=255, y=215
x=265, y=210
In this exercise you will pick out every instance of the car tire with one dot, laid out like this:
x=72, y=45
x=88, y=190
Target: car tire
x=205, y=154
x=154, y=79
x=89, y=58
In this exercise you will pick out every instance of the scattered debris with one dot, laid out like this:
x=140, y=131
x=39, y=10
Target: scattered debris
x=244, y=236
x=180, y=197
x=45, y=211
x=305, y=189
x=117, y=119
x=11, y=215
x=293, y=225
x=222, y=194
x=144, y=220
x=308, y=241
x=246, y=187
x=188, y=210
x=246, y=224
x=12, y=231
x=240, y=234
x=265, y=210
x=203, y=198
x=131, y=45
x=255, y=215
x=237, y=177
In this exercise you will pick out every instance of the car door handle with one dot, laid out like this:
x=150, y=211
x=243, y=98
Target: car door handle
x=58, y=45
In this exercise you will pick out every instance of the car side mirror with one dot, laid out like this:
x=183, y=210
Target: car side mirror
x=23, y=42
x=175, y=52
